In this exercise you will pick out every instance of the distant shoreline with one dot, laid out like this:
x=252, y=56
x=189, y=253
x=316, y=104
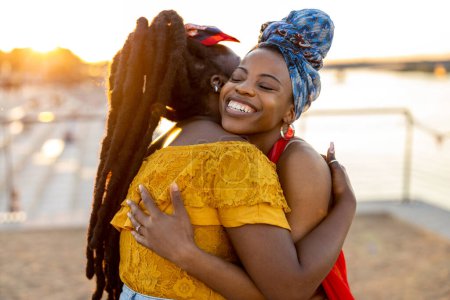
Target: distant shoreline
x=436, y=66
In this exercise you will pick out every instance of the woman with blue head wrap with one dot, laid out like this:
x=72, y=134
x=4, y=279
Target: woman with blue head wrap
x=275, y=82
x=303, y=38
x=263, y=83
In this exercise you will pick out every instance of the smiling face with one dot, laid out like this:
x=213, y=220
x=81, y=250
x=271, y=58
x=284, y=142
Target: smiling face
x=257, y=99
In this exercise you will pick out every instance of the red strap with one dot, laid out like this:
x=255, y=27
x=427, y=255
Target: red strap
x=277, y=149
x=335, y=284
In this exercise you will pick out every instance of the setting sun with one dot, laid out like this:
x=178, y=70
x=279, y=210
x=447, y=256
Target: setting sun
x=43, y=47
x=95, y=30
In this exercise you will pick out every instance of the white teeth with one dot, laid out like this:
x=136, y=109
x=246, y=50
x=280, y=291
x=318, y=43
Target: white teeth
x=240, y=107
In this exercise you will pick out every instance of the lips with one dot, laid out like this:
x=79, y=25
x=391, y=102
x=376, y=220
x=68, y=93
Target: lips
x=239, y=106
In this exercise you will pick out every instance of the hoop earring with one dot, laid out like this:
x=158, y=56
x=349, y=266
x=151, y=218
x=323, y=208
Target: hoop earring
x=216, y=88
x=287, y=132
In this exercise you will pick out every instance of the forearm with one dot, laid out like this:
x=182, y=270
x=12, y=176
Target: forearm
x=226, y=278
x=283, y=272
x=320, y=248
x=176, y=243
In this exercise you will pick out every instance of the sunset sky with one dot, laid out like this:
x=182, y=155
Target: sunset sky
x=96, y=29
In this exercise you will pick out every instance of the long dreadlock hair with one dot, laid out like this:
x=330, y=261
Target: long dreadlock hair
x=158, y=67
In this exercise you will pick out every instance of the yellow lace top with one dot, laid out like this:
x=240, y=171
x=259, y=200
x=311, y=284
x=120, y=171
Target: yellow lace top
x=223, y=184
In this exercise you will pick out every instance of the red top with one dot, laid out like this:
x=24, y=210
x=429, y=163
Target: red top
x=336, y=283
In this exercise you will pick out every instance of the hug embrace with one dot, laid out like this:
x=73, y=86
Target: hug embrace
x=229, y=203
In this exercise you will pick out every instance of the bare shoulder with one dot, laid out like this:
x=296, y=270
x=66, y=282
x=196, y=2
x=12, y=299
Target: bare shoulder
x=302, y=154
x=301, y=165
x=306, y=182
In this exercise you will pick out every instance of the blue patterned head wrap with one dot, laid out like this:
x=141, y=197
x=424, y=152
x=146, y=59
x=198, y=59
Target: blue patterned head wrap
x=303, y=38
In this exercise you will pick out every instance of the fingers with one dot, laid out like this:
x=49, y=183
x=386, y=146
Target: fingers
x=331, y=153
x=141, y=239
x=138, y=215
x=331, y=158
x=335, y=167
x=177, y=201
x=339, y=174
x=148, y=201
x=133, y=220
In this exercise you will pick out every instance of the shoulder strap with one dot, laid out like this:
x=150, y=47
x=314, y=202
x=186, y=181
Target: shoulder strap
x=293, y=140
x=279, y=147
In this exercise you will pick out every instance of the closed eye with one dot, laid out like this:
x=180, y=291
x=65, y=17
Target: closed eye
x=267, y=88
x=235, y=79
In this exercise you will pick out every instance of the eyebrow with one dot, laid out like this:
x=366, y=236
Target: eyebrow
x=262, y=75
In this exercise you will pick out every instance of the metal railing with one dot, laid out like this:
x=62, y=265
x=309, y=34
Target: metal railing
x=16, y=215
x=411, y=124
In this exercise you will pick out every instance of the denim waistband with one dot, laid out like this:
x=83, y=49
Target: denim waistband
x=129, y=294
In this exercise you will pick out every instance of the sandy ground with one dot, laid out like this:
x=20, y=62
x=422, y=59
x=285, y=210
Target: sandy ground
x=387, y=259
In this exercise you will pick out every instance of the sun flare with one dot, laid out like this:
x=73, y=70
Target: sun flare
x=43, y=47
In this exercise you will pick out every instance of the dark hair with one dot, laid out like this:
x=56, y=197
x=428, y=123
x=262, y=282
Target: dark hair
x=158, y=67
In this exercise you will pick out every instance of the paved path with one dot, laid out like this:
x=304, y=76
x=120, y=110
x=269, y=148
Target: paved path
x=54, y=164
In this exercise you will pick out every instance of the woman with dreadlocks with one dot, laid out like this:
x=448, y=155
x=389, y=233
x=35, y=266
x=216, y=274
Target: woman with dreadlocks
x=157, y=68
x=161, y=73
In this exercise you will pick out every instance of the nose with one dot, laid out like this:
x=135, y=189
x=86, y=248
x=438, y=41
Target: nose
x=245, y=88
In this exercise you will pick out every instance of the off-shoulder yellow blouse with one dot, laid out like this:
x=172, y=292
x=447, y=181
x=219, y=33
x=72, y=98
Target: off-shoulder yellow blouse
x=223, y=184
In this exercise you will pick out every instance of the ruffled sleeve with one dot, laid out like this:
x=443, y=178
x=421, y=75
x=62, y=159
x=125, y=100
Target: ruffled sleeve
x=247, y=190
x=226, y=183
x=255, y=214
x=121, y=220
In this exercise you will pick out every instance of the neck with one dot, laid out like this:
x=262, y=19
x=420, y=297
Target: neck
x=197, y=118
x=264, y=141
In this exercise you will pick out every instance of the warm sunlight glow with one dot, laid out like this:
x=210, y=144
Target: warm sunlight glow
x=52, y=148
x=440, y=71
x=16, y=113
x=96, y=30
x=172, y=137
x=46, y=116
x=16, y=127
x=12, y=217
x=43, y=47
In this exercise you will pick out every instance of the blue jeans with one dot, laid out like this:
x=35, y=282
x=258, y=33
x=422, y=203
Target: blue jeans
x=129, y=294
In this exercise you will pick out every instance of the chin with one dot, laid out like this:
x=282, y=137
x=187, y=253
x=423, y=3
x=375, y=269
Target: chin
x=235, y=127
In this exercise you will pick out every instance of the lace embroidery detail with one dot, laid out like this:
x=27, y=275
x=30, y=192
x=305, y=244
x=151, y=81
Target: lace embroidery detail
x=184, y=287
x=211, y=177
x=228, y=175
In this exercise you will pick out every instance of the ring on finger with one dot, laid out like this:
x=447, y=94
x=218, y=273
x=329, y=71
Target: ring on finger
x=138, y=227
x=332, y=161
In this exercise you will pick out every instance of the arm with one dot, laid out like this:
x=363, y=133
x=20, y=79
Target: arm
x=228, y=279
x=175, y=242
x=306, y=182
x=282, y=275
x=328, y=238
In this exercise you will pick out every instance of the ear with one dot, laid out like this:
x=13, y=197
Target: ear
x=289, y=117
x=217, y=80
